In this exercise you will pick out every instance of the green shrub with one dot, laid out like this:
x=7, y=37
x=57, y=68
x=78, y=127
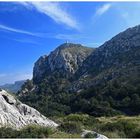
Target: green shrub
x=91, y=135
x=76, y=117
x=34, y=131
x=136, y=133
x=70, y=127
x=83, y=119
x=129, y=128
x=8, y=133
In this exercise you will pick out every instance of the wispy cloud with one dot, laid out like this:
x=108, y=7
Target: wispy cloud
x=10, y=29
x=103, y=9
x=54, y=11
x=25, y=40
x=19, y=31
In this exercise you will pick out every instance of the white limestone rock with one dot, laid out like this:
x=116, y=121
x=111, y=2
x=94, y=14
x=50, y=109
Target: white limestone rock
x=17, y=115
x=65, y=59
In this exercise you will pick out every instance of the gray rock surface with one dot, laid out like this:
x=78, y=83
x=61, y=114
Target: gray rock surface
x=73, y=67
x=121, y=51
x=17, y=115
x=66, y=59
x=118, y=57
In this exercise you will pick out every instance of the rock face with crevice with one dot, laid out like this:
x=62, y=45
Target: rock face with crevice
x=17, y=115
x=65, y=60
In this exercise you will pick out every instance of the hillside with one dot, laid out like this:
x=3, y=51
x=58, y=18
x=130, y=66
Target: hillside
x=53, y=72
x=100, y=82
x=18, y=120
x=116, y=58
x=63, y=61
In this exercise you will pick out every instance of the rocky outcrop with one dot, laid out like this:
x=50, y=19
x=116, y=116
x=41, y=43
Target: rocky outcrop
x=116, y=58
x=16, y=115
x=95, y=134
x=107, y=71
x=86, y=67
x=65, y=60
x=121, y=51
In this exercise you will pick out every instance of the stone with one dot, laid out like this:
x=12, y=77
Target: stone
x=65, y=59
x=17, y=115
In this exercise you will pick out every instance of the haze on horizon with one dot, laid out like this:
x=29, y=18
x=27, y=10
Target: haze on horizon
x=31, y=29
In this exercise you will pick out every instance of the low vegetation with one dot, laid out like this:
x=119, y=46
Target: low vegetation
x=71, y=127
x=112, y=127
x=31, y=131
x=109, y=99
x=90, y=135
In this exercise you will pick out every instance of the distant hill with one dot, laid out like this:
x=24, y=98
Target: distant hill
x=13, y=87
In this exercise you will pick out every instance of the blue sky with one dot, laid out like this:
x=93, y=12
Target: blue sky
x=31, y=29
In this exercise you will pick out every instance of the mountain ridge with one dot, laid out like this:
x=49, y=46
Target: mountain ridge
x=65, y=59
x=121, y=51
x=105, y=80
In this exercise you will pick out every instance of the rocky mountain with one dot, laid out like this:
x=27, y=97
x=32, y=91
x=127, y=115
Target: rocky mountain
x=57, y=69
x=102, y=81
x=118, y=57
x=17, y=115
x=65, y=60
x=13, y=87
x=121, y=51
x=114, y=58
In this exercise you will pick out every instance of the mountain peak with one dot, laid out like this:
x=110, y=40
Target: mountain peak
x=119, y=52
x=65, y=60
x=69, y=45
